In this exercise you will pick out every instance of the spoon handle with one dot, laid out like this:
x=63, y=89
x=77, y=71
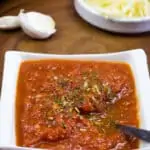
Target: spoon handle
x=139, y=133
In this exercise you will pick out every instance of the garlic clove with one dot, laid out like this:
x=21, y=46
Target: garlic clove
x=9, y=22
x=37, y=25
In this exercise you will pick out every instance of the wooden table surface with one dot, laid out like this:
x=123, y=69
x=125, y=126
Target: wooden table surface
x=73, y=35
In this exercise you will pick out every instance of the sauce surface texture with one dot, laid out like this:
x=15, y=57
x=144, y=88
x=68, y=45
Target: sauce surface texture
x=72, y=105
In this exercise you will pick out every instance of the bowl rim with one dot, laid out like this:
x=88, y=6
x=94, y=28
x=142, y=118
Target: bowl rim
x=123, y=20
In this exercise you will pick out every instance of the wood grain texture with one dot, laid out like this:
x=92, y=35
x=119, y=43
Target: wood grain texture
x=73, y=35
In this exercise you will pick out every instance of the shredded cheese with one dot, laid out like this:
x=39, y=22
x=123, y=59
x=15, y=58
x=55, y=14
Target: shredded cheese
x=121, y=8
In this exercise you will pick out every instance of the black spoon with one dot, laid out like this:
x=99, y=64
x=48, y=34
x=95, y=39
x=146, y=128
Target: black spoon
x=139, y=133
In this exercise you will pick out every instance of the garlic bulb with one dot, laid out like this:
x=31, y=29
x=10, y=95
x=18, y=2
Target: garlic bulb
x=37, y=25
x=9, y=22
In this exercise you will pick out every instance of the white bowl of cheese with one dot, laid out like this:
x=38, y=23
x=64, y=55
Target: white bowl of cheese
x=132, y=18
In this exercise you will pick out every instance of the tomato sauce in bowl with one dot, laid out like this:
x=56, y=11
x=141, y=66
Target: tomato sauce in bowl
x=72, y=104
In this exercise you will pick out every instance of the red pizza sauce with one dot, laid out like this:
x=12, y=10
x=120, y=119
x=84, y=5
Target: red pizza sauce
x=73, y=105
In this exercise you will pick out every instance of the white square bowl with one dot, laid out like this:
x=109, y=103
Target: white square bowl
x=135, y=58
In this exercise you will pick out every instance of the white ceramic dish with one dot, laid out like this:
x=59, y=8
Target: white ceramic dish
x=137, y=25
x=136, y=59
